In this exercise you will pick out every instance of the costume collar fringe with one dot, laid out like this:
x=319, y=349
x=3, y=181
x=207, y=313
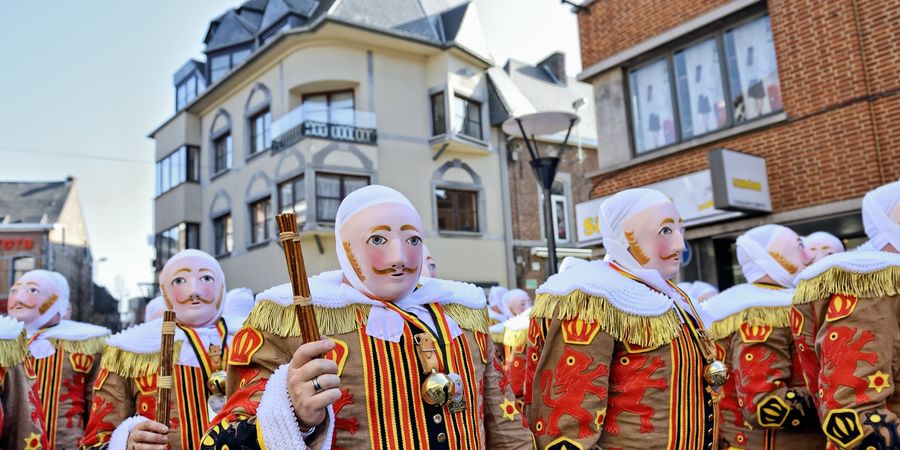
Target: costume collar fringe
x=775, y=316
x=837, y=280
x=281, y=320
x=13, y=351
x=646, y=331
x=132, y=365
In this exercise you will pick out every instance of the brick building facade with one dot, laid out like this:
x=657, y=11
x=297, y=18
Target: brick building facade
x=810, y=86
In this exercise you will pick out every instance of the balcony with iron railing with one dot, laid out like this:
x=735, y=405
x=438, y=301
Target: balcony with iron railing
x=344, y=125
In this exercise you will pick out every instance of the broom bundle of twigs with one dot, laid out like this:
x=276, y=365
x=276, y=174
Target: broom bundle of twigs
x=293, y=256
x=166, y=367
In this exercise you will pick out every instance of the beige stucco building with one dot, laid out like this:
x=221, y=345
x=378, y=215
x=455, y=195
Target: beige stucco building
x=301, y=102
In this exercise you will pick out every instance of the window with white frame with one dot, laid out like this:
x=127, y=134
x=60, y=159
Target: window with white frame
x=223, y=235
x=331, y=189
x=722, y=80
x=260, y=125
x=292, y=198
x=457, y=209
x=260, y=211
x=467, y=117
x=222, y=152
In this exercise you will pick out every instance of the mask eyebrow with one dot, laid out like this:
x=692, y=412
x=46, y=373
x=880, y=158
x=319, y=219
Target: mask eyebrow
x=31, y=283
x=667, y=220
x=408, y=228
x=381, y=227
x=204, y=269
x=183, y=269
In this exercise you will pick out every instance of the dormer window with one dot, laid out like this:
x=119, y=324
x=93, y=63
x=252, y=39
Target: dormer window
x=221, y=64
x=188, y=89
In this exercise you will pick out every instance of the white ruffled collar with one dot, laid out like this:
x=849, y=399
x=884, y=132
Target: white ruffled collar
x=598, y=279
x=329, y=291
x=66, y=330
x=738, y=298
x=146, y=338
x=10, y=328
x=518, y=322
x=854, y=261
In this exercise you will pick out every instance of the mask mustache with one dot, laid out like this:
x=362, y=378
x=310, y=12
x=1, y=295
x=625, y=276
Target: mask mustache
x=390, y=270
x=672, y=256
x=192, y=298
x=22, y=304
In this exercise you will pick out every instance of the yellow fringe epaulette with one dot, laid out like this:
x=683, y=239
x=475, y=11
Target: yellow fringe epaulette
x=90, y=346
x=497, y=338
x=281, y=320
x=515, y=338
x=836, y=280
x=132, y=365
x=774, y=316
x=469, y=318
x=13, y=351
x=622, y=326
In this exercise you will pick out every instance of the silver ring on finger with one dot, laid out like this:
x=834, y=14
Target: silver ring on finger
x=316, y=386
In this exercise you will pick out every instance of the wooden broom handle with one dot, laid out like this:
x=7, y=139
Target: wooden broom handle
x=166, y=367
x=293, y=256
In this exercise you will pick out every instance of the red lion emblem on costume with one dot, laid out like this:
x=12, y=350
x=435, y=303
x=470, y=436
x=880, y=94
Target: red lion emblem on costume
x=574, y=380
x=631, y=380
x=729, y=402
x=841, y=354
x=75, y=394
x=97, y=425
x=753, y=373
x=809, y=362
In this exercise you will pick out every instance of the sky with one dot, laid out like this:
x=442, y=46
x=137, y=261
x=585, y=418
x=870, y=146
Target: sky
x=83, y=82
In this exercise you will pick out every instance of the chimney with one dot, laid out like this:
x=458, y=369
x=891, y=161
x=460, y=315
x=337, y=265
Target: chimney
x=555, y=65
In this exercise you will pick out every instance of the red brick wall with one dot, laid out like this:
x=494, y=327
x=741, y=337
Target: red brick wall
x=827, y=150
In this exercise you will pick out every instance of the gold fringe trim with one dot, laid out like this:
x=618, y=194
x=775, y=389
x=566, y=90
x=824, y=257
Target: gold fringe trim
x=132, y=365
x=469, y=319
x=774, y=316
x=280, y=320
x=497, y=337
x=13, y=351
x=622, y=326
x=836, y=280
x=90, y=346
x=515, y=338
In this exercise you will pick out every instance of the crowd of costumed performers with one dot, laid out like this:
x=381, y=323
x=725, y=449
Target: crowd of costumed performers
x=382, y=354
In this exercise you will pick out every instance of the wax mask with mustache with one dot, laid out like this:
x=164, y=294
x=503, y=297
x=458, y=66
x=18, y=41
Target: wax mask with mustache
x=36, y=300
x=789, y=251
x=193, y=285
x=821, y=244
x=656, y=238
x=430, y=269
x=383, y=244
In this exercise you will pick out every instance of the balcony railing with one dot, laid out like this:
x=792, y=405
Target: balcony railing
x=336, y=125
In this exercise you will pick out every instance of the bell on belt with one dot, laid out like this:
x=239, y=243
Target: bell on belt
x=216, y=387
x=438, y=389
x=715, y=373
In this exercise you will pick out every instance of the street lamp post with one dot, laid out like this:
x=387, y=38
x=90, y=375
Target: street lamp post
x=537, y=124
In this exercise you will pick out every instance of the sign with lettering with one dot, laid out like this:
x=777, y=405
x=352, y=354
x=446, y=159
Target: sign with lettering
x=740, y=181
x=16, y=244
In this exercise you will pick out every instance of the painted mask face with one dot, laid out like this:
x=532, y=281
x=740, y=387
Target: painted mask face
x=430, y=269
x=30, y=297
x=193, y=289
x=819, y=249
x=384, y=245
x=705, y=296
x=895, y=217
x=789, y=251
x=518, y=305
x=656, y=239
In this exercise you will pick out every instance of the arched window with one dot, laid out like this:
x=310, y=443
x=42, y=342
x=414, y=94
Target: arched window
x=258, y=116
x=458, y=199
x=220, y=143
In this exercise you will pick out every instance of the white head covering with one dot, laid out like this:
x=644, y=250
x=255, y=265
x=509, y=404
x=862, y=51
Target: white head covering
x=357, y=201
x=820, y=238
x=495, y=295
x=569, y=262
x=60, y=287
x=154, y=307
x=239, y=302
x=754, y=258
x=214, y=265
x=876, y=209
x=509, y=297
x=613, y=213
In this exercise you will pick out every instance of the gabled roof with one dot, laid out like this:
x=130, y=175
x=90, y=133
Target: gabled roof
x=228, y=30
x=33, y=202
x=278, y=9
x=189, y=67
x=399, y=17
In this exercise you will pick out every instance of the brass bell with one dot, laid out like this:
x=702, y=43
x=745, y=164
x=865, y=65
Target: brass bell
x=216, y=383
x=438, y=389
x=716, y=373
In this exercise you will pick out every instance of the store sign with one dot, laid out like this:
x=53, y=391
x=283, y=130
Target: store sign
x=13, y=244
x=692, y=195
x=740, y=181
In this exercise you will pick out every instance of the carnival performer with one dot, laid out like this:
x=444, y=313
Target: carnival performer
x=517, y=304
x=821, y=244
x=21, y=420
x=622, y=363
x=124, y=409
x=845, y=321
x=767, y=404
x=699, y=291
x=64, y=356
x=497, y=318
x=430, y=269
x=395, y=345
